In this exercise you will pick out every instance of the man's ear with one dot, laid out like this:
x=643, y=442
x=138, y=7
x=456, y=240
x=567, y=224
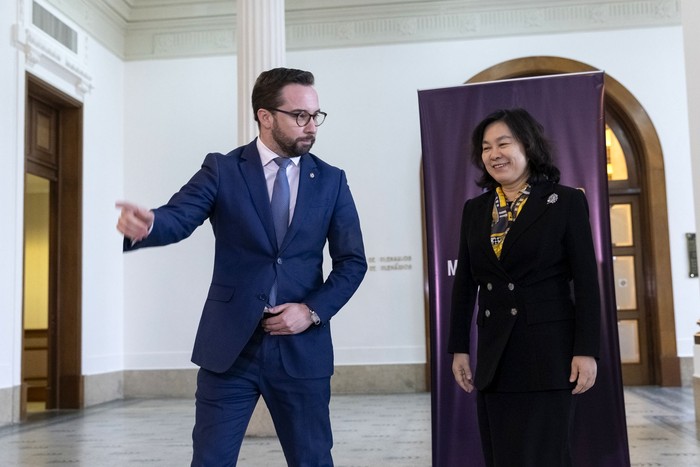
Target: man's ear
x=265, y=118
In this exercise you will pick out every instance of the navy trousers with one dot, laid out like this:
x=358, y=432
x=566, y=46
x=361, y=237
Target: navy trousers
x=225, y=403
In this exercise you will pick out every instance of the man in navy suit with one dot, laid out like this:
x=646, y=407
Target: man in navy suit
x=265, y=327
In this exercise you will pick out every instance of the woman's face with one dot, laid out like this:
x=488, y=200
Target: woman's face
x=504, y=156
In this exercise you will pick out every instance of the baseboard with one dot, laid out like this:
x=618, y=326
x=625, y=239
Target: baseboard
x=687, y=369
x=696, y=396
x=9, y=405
x=103, y=387
x=365, y=379
x=160, y=383
x=380, y=379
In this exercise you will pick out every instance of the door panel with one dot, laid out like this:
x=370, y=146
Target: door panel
x=628, y=267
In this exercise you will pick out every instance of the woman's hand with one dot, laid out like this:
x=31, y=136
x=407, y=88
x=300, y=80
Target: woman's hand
x=462, y=371
x=583, y=370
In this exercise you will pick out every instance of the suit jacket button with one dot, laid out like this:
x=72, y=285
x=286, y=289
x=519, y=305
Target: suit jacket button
x=511, y=286
x=487, y=313
x=279, y=260
x=489, y=286
x=513, y=311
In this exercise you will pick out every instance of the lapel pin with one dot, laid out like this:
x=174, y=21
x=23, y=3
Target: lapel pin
x=552, y=198
x=312, y=175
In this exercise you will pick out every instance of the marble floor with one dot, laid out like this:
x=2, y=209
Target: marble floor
x=370, y=431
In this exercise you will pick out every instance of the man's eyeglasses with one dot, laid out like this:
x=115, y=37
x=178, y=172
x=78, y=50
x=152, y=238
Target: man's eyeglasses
x=303, y=118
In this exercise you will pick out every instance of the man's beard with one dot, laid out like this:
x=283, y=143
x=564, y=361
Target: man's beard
x=292, y=147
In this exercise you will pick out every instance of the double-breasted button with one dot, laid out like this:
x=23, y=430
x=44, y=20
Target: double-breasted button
x=513, y=311
x=511, y=286
x=489, y=286
x=487, y=313
x=279, y=261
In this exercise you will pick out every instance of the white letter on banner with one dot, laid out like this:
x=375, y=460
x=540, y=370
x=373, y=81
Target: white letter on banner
x=451, y=267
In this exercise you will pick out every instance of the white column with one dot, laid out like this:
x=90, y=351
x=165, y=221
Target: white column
x=260, y=46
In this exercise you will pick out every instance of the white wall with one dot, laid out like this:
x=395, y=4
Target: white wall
x=103, y=184
x=176, y=112
x=11, y=134
x=691, y=36
x=373, y=132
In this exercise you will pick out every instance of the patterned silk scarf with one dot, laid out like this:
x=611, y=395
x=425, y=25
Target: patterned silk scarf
x=503, y=216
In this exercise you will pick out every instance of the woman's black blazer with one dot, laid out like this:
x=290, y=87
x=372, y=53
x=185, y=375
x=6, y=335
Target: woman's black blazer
x=539, y=304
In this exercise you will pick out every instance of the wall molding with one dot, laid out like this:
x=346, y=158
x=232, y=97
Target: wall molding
x=144, y=29
x=44, y=54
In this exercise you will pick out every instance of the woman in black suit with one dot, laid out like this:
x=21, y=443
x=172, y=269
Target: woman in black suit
x=526, y=254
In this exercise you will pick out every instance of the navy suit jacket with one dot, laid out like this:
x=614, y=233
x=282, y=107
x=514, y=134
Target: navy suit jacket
x=539, y=304
x=230, y=190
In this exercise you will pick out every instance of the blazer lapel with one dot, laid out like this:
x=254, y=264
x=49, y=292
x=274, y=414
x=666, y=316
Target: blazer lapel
x=308, y=191
x=252, y=170
x=483, y=228
x=535, y=206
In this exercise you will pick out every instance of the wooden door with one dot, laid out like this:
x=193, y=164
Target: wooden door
x=53, y=154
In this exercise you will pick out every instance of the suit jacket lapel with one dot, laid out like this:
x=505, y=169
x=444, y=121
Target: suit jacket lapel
x=535, y=206
x=252, y=170
x=483, y=230
x=308, y=190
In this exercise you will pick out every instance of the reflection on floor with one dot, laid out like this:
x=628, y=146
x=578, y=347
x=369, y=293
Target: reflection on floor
x=386, y=431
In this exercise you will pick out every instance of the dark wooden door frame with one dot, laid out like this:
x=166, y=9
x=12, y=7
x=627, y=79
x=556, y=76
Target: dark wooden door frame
x=65, y=316
x=620, y=103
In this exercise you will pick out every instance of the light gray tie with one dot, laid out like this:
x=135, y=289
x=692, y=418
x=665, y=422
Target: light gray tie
x=280, y=210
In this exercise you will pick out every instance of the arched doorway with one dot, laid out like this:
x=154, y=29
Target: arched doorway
x=646, y=318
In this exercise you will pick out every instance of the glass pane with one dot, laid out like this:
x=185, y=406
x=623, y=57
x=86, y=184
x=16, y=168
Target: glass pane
x=36, y=252
x=617, y=164
x=621, y=224
x=625, y=287
x=629, y=340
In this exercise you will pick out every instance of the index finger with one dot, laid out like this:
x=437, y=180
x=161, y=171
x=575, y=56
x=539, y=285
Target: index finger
x=126, y=205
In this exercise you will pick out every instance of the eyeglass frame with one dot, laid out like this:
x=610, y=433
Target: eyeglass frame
x=299, y=113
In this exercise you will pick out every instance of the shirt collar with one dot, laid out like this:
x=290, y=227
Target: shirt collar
x=267, y=156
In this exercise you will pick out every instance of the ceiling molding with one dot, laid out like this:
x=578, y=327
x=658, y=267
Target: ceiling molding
x=151, y=29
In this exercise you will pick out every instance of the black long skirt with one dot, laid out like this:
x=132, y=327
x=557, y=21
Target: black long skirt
x=526, y=429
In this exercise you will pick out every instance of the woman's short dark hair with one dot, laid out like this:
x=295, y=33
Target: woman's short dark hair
x=267, y=91
x=528, y=132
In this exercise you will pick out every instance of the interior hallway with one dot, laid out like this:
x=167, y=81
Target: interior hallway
x=370, y=431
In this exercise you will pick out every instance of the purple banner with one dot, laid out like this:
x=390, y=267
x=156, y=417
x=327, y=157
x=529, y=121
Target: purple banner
x=570, y=107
